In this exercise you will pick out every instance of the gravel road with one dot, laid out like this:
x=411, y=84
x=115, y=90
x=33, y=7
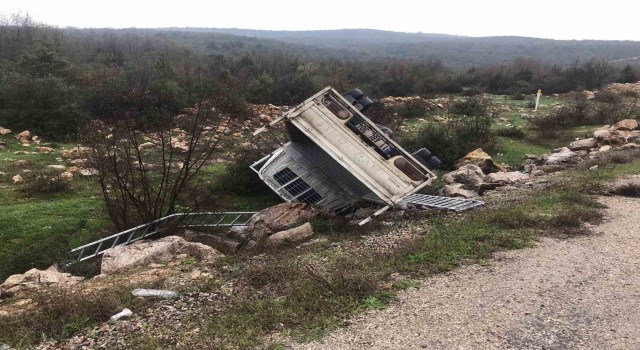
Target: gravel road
x=579, y=293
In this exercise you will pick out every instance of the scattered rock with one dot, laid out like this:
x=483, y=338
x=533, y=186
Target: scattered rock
x=122, y=258
x=457, y=190
x=585, y=144
x=65, y=175
x=604, y=148
x=79, y=162
x=45, y=150
x=24, y=136
x=5, y=131
x=510, y=177
x=147, y=145
x=291, y=235
x=588, y=94
x=35, y=279
x=564, y=155
x=17, y=179
x=469, y=175
x=280, y=217
x=57, y=167
x=221, y=244
x=74, y=170
x=264, y=118
x=629, y=146
x=625, y=124
x=482, y=159
x=77, y=152
x=602, y=134
x=88, y=172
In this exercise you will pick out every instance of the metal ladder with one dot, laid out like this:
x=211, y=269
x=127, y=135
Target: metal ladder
x=183, y=220
x=449, y=203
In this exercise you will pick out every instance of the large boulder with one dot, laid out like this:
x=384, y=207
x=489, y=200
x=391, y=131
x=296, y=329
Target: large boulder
x=585, y=144
x=507, y=178
x=291, y=235
x=126, y=257
x=280, y=217
x=457, y=190
x=482, y=159
x=17, y=179
x=57, y=167
x=45, y=150
x=36, y=279
x=24, y=136
x=602, y=133
x=562, y=156
x=623, y=136
x=625, y=124
x=469, y=175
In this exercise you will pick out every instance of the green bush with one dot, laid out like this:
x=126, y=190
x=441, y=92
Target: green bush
x=44, y=181
x=467, y=128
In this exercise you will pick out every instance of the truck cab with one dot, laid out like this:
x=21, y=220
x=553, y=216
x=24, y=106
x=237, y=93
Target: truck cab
x=337, y=157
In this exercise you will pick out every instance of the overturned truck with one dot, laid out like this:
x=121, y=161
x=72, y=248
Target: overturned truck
x=337, y=158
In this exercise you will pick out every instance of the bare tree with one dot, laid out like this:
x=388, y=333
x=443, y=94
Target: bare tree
x=145, y=171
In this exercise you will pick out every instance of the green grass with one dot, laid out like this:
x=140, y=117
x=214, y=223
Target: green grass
x=513, y=151
x=36, y=229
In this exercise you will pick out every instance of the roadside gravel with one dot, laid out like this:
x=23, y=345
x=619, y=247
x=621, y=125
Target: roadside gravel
x=577, y=293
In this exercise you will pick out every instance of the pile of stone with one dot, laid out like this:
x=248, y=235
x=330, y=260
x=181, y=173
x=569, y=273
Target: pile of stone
x=623, y=89
x=25, y=138
x=277, y=225
x=266, y=113
x=430, y=104
x=622, y=135
x=477, y=173
x=35, y=279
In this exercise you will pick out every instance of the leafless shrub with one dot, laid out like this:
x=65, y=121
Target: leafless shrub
x=146, y=170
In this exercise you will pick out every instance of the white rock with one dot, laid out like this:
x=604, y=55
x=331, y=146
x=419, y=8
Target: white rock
x=604, y=148
x=122, y=258
x=509, y=177
x=563, y=155
x=585, y=144
x=291, y=235
x=457, y=190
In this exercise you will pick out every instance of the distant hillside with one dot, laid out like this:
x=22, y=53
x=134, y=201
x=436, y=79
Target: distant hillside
x=457, y=50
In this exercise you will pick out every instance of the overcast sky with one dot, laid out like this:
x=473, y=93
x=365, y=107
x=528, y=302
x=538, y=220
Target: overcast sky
x=557, y=19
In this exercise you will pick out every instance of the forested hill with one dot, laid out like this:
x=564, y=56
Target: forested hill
x=456, y=50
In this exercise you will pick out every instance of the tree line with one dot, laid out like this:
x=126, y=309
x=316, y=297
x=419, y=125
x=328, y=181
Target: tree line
x=52, y=81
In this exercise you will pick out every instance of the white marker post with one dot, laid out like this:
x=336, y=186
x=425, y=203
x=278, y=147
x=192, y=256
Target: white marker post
x=538, y=99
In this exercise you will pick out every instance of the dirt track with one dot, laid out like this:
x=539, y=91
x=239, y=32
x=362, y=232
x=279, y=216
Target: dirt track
x=580, y=293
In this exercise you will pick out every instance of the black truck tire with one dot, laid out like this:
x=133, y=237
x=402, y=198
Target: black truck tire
x=355, y=93
x=433, y=163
